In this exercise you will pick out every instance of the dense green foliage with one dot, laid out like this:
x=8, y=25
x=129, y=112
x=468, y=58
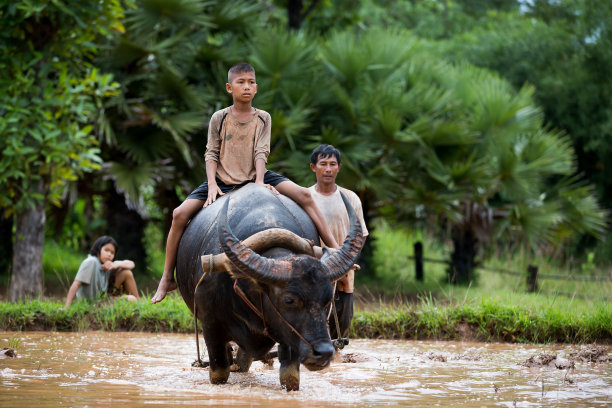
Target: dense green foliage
x=498, y=156
x=50, y=94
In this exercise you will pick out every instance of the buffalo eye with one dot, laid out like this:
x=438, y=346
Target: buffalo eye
x=292, y=301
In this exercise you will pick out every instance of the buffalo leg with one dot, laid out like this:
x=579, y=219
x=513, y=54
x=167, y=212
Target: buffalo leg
x=219, y=362
x=289, y=368
x=243, y=360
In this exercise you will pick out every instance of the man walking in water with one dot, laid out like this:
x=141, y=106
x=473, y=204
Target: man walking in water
x=325, y=162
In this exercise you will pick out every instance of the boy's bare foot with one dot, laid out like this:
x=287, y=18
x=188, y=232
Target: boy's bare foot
x=164, y=287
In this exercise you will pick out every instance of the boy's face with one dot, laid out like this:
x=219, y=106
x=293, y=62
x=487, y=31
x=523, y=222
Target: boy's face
x=107, y=253
x=242, y=86
x=326, y=169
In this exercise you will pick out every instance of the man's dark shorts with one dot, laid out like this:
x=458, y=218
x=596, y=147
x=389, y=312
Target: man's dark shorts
x=201, y=193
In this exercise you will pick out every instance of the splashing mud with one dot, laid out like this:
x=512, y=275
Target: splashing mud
x=136, y=369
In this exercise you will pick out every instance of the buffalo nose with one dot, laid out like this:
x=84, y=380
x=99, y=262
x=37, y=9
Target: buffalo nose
x=323, y=350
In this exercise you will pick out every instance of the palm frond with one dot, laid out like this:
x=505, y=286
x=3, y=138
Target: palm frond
x=129, y=178
x=178, y=129
x=235, y=15
x=146, y=145
x=290, y=123
x=582, y=214
x=152, y=15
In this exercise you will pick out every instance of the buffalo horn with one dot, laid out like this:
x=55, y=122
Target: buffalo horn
x=261, y=241
x=343, y=259
x=247, y=261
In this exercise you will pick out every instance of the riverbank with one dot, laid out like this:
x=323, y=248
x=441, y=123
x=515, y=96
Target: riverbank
x=488, y=319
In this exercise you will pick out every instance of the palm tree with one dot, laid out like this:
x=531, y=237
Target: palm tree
x=427, y=141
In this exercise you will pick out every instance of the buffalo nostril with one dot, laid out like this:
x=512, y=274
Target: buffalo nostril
x=323, y=350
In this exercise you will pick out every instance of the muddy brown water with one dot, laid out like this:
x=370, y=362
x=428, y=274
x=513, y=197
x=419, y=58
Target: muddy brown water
x=100, y=369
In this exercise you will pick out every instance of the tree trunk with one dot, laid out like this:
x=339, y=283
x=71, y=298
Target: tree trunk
x=6, y=243
x=463, y=258
x=294, y=13
x=27, y=277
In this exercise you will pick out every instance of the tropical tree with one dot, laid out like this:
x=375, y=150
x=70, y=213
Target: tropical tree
x=564, y=49
x=49, y=96
x=437, y=144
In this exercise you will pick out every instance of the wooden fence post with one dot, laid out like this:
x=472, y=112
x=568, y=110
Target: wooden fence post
x=418, y=261
x=532, y=278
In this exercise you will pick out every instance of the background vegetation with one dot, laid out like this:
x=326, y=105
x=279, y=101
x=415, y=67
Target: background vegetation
x=482, y=127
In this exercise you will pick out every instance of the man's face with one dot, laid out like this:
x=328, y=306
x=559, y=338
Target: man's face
x=326, y=169
x=242, y=86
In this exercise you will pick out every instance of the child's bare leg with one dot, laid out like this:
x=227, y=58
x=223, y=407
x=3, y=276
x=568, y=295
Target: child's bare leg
x=302, y=196
x=180, y=216
x=125, y=277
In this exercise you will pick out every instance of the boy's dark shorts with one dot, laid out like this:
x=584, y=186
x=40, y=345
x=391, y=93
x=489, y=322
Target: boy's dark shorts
x=201, y=193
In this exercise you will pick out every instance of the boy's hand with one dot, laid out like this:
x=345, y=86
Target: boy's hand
x=213, y=191
x=269, y=187
x=108, y=265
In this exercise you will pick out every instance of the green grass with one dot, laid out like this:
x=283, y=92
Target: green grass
x=394, y=271
x=527, y=318
x=60, y=264
x=118, y=314
x=496, y=317
x=495, y=307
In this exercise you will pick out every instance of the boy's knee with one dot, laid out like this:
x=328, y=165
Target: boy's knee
x=179, y=216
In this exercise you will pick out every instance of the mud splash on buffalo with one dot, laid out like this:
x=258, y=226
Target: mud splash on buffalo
x=136, y=369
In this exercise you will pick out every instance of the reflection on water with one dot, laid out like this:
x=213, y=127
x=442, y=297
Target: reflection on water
x=98, y=369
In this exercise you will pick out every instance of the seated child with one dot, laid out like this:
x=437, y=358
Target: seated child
x=99, y=273
x=236, y=153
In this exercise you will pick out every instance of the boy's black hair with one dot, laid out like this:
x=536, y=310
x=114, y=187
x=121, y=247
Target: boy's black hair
x=324, y=150
x=239, y=68
x=100, y=242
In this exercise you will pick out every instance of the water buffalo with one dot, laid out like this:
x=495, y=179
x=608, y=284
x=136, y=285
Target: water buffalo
x=256, y=300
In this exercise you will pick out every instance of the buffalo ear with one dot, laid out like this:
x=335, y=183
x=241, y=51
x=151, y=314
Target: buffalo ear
x=326, y=253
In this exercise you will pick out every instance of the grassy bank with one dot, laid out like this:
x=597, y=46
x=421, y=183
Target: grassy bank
x=490, y=319
x=116, y=315
x=487, y=319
